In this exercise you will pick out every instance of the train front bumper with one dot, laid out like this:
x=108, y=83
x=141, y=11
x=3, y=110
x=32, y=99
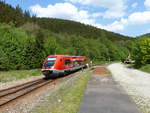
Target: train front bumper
x=47, y=72
x=52, y=72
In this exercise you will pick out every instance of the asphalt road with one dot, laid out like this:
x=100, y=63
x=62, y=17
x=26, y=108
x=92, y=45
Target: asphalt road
x=103, y=95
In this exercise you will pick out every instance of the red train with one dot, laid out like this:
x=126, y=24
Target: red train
x=56, y=65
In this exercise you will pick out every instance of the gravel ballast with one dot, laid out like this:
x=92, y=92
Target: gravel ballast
x=35, y=98
x=135, y=82
x=18, y=82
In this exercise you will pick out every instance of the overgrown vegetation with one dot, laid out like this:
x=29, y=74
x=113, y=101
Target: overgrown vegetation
x=26, y=40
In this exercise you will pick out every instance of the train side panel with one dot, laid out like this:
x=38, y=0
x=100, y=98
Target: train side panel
x=56, y=65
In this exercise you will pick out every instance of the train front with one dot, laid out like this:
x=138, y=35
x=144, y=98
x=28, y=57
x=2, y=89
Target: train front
x=48, y=66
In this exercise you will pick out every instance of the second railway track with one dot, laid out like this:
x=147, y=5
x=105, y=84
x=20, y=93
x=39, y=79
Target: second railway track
x=7, y=95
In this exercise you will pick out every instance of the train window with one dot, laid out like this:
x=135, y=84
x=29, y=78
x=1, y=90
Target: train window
x=67, y=61
x=51, y=58
x=50, y=62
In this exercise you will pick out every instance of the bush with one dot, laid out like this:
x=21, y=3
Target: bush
x=142, y=51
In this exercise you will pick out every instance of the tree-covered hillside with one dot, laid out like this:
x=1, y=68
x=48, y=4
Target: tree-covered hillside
x=11, y=15
x=17, y=17
x=26, y=40
x=72, y=27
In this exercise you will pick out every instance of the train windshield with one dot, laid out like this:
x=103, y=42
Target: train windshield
x=50, y=62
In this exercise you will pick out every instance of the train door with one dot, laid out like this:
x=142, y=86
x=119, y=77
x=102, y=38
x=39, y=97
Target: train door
x=67, y=63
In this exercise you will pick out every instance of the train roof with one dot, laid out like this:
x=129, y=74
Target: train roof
x=64, y=55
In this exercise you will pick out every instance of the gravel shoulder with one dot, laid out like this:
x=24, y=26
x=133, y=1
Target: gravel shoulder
x=136, y=83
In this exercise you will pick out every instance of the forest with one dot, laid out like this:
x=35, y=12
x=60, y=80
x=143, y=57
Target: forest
x=25, y=40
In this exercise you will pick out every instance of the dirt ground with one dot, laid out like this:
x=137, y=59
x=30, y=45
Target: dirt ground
x=100, y=71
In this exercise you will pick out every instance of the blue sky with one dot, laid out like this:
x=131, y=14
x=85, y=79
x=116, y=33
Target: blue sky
x=127, y=17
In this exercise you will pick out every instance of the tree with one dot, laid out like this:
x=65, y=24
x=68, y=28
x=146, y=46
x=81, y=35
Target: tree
x=142, y=51
x=50, y=46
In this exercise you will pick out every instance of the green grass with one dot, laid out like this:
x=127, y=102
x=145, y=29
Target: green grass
x=6, y=76
x=145, y=68
x=67, y=99
x=100, y=62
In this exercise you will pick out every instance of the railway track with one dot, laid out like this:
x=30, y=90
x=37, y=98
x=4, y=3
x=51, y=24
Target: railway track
x=12, y=93
x=7, y=95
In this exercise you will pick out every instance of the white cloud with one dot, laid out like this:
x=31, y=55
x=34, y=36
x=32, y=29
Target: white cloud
x=64, y=11
x=137, y=18
x=147, y=4
x=117, y=25
x=68, y=11
x=60, y=10
x=71, y=12
x=134, y=5
x=114, y=8
x=95, y=15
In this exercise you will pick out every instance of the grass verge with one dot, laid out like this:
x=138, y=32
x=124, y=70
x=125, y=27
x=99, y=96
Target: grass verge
x=145, y=68
x=66, y=99
x=6, y=76
x=101, y=62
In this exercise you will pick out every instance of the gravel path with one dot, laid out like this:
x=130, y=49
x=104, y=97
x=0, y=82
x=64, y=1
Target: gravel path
x=136, y=84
